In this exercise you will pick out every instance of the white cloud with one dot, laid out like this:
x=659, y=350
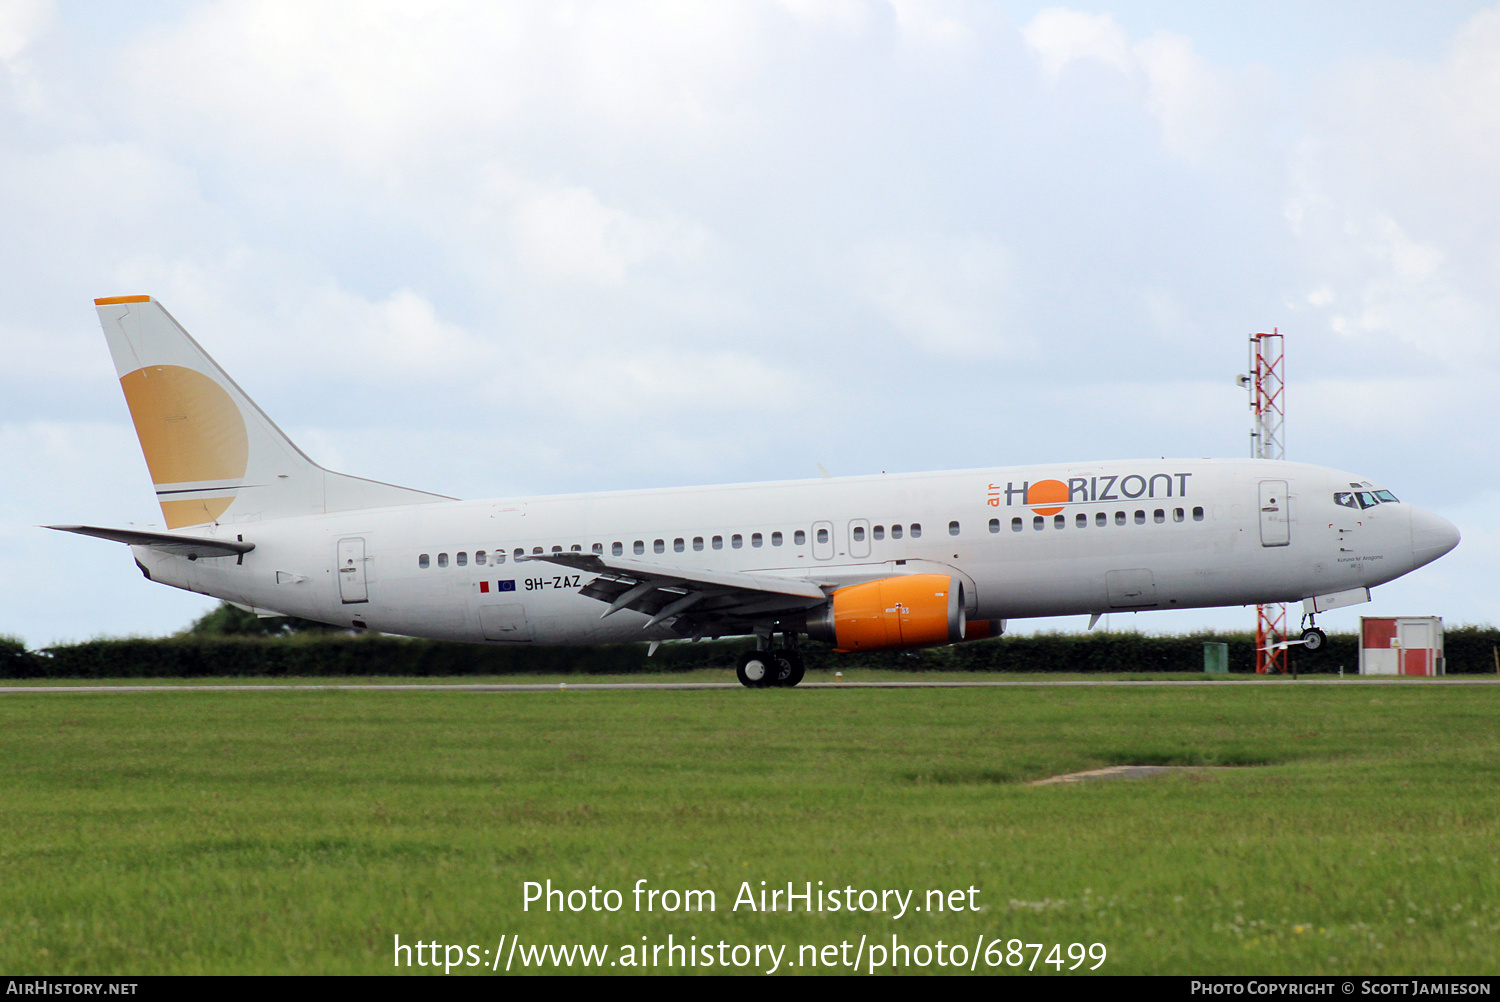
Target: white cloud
x=570, y=234
x=951, y=296
x=1203, y=110
x=1060, y=36
x=21, y=22
x=1393, y=205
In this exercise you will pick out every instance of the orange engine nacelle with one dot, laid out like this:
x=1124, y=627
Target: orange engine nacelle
x=913, y=610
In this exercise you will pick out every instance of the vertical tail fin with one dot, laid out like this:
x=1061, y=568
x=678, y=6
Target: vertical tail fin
x=215, y=456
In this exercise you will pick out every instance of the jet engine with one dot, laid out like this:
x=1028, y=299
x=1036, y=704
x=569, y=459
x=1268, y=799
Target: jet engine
x=912, y=610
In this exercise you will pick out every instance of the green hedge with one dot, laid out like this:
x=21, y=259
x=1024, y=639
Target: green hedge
x=1469, y=650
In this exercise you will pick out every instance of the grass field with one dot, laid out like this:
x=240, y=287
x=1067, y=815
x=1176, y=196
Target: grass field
x=298, y=832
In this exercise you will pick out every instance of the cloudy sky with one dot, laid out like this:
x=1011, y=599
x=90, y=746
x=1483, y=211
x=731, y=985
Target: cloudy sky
x=508, y=248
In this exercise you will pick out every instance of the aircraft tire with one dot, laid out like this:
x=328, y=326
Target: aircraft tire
x=755, y=670
x=1314, y=640
x=790, y=668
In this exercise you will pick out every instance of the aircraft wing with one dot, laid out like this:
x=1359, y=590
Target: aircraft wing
x=697, y=599
x=185, y=546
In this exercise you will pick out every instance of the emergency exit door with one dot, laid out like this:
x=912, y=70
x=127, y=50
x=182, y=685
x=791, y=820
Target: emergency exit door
x=1275, y=521
x=352, y=587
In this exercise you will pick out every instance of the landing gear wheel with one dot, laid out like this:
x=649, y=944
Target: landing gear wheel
x=755, y=669
x=789, y=668
x=1313, y=640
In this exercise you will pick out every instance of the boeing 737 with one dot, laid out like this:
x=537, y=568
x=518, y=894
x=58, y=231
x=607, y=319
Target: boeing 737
x=864, y=563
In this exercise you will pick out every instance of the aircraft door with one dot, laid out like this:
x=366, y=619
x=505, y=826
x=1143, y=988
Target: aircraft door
x=822, y=540
x=1275, y=514
x=1131, y=589
x=859, y=538
x=352, y=586
x=505, y=622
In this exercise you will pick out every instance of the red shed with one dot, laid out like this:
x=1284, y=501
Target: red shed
x=1401, y=645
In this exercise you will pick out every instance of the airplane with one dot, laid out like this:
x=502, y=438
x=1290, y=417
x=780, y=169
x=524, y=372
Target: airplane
x=864, y=563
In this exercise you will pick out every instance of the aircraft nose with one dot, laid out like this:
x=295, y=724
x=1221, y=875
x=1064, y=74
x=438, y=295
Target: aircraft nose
x=1431, y=536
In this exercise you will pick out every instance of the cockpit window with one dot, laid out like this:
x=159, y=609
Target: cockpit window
x=1362, y=499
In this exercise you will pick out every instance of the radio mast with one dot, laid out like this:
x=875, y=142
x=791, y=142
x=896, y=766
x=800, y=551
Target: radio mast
x=1267, y=385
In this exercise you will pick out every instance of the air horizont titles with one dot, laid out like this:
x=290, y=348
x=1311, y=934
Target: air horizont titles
x=1085, y=490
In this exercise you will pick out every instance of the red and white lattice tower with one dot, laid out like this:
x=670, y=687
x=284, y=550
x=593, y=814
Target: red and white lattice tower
x=1267, y=385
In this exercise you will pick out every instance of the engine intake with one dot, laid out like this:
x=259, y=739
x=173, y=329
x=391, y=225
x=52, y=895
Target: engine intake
x=912, y=610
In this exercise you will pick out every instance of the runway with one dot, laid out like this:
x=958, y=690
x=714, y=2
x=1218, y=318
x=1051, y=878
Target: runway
x=669, y=686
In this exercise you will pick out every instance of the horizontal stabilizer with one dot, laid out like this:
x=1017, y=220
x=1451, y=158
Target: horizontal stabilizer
x=185, y=546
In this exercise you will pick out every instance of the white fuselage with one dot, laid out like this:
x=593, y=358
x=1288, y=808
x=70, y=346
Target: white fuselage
x=1136, y=535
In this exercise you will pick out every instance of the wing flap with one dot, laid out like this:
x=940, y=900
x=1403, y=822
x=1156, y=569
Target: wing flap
x=692, y=597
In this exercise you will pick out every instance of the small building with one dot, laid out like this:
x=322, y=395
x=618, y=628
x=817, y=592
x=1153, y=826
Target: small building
x=1401, y=645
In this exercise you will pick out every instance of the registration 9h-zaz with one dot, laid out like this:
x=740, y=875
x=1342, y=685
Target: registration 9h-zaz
x=864, y=563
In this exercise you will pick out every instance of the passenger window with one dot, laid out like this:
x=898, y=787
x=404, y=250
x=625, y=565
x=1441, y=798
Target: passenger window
x=1039, y=523
x=423, y=561
x=859, y=534
x=799, y=537
x=1197, y=514
x=994, y=525
x=1015, y=525
x=1082, y=521
x=660, y=546
x=598, y=549
x=479, y=558
x=1140, y=517
x=895, y=532
x=952, y=528
x=878, y=532
x=775, y=539
x=1177, y=514
x=536, y=550
x=576, y=548
x=737, y=541
x=1159, y=516
x=442, y=560
x=617, y=549
x=1059, y=521
x=822, y=535
x=678, y=545
x=756, y=539
x=697, y=543
x=916, y=531
x=639, y=547
x=520, y=552
x=1101, y=518
x=557, y=549
x=499, y=556
x=718, y=542
x=1119, y=518
x=463, y=559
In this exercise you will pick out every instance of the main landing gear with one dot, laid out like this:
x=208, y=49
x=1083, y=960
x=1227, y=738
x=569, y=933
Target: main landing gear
x=766, y=668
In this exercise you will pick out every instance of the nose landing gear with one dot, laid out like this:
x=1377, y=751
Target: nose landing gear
x=1313, y=639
